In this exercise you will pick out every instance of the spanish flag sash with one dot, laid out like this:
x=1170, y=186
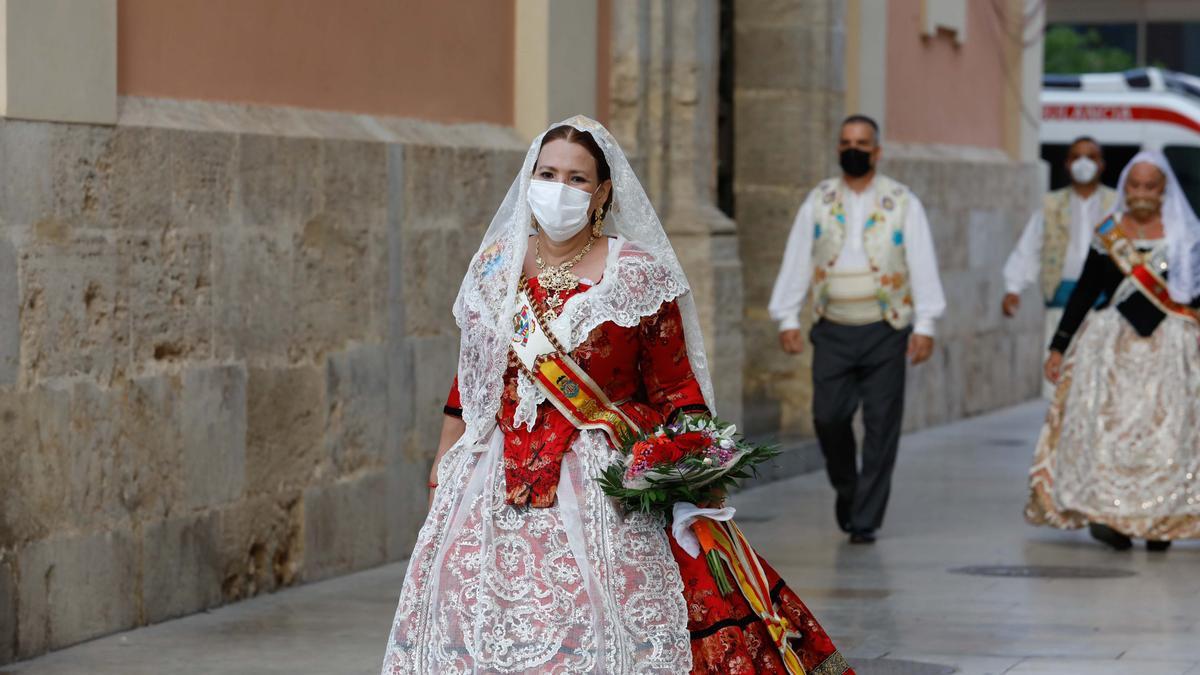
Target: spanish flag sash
x=1144, y=276
x=565, y=384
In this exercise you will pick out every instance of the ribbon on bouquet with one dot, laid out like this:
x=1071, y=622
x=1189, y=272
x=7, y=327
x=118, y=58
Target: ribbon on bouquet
x=724, y=542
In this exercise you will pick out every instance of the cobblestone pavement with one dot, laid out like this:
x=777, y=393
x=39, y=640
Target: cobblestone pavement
x=895, y=607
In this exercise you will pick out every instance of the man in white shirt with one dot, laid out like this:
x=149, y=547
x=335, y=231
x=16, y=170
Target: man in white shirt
x=1055, y=243
x=861, y=242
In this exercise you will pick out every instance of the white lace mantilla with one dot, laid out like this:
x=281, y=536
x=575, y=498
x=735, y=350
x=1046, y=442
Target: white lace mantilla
x=575, y=588
x=641, y=272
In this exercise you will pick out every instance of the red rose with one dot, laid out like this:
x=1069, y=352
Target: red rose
x=657, y=450
x=693, y=442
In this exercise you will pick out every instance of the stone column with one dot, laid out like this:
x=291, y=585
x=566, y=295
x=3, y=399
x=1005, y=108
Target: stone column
x=664, y=113
x=788, y=101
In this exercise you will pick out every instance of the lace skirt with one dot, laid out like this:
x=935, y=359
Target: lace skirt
x=575, y=588
x=1121, y=442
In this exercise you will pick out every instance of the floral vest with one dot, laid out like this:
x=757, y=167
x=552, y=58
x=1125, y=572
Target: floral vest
x=1056, y=237
x=883, y=241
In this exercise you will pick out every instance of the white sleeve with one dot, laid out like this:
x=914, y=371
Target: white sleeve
x=1024, y=264
x=929, y=301
x=787, y=299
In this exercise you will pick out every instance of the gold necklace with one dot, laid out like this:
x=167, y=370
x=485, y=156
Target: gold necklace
x=557, y=278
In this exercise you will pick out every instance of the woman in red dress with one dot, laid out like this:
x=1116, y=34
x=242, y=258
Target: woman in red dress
x=523, y=564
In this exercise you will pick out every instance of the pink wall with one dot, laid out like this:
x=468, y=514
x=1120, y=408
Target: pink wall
x=449, y=60
x=938, y=92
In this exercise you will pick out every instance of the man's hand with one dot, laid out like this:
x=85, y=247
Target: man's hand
x=1010, y=304
x=920, y=348
x=792, y=341
x=1053, y=367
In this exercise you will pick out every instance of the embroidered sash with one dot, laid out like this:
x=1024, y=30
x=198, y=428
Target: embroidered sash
x=565, y=384
x=1144, y=277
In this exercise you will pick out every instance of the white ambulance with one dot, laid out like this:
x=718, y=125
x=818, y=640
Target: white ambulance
x=1146, y=108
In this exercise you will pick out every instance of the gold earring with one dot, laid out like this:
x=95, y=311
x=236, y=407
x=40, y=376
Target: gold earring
x=598, y=225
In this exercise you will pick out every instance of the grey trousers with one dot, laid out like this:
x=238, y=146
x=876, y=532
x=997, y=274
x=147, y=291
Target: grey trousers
x=852, y=366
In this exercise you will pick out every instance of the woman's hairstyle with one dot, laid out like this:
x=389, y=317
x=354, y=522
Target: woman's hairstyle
x=584, y=139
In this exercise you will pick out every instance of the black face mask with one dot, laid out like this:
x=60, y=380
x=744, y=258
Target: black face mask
x=855, y=162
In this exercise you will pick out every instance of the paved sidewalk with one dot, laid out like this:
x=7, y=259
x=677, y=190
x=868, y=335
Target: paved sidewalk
x=956, y=502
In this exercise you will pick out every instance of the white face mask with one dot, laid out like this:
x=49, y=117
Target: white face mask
x=561, y=210
x=1083, y=170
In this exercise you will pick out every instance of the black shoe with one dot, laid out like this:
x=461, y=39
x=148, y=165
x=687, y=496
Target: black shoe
x=1107, y=535
x=864, y=537
x=842, y=510
x=1157, y=546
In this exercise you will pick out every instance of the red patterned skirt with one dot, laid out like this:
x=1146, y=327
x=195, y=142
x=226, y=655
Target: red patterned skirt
x=728, y=638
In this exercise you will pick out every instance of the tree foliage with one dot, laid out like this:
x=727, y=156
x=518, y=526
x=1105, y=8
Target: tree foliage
x=1070, y=52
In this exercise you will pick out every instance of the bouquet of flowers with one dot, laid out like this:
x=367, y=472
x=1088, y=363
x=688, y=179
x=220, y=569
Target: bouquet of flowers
x=693, y=459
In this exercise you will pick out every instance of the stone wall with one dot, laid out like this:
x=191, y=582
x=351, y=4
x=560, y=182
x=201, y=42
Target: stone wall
x=977, y=202
x=225, y=339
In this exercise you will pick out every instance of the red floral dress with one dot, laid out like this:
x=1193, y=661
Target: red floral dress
x=645, y=371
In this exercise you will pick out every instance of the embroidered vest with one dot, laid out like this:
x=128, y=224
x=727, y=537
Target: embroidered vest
x=883, y=242
x=1056, y=235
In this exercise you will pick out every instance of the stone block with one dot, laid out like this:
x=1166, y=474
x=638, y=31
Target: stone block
x=764, y=218
x=966, y=297
x=354, y=183
x=401, y=388
x=203, y=168
x=783, y=12
x=8, y=609
x=407, y=496
x=278, y=181
x=950, y=229
x=123, y=449
x=181, y=566
x=345, y=526
x=285, y=411
x=925, y=401
x=26, y=178
x=10, y=313
x=213, y=430
x=785, y=57
x=76, y=587
x=989, y=240
x=112, y=177
x=331, y=273
x=780, y=140
x=254, y=297
x=378, y=294
x=34, y=463
x=170, y=297
x=435, y=361
x=454, y=188
x=260, y=544
x=430, y=283
x=74, y=306
x=357, y=398
x=988, y=364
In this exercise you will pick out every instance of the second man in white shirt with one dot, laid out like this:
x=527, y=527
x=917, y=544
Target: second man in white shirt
x=1056, y=240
